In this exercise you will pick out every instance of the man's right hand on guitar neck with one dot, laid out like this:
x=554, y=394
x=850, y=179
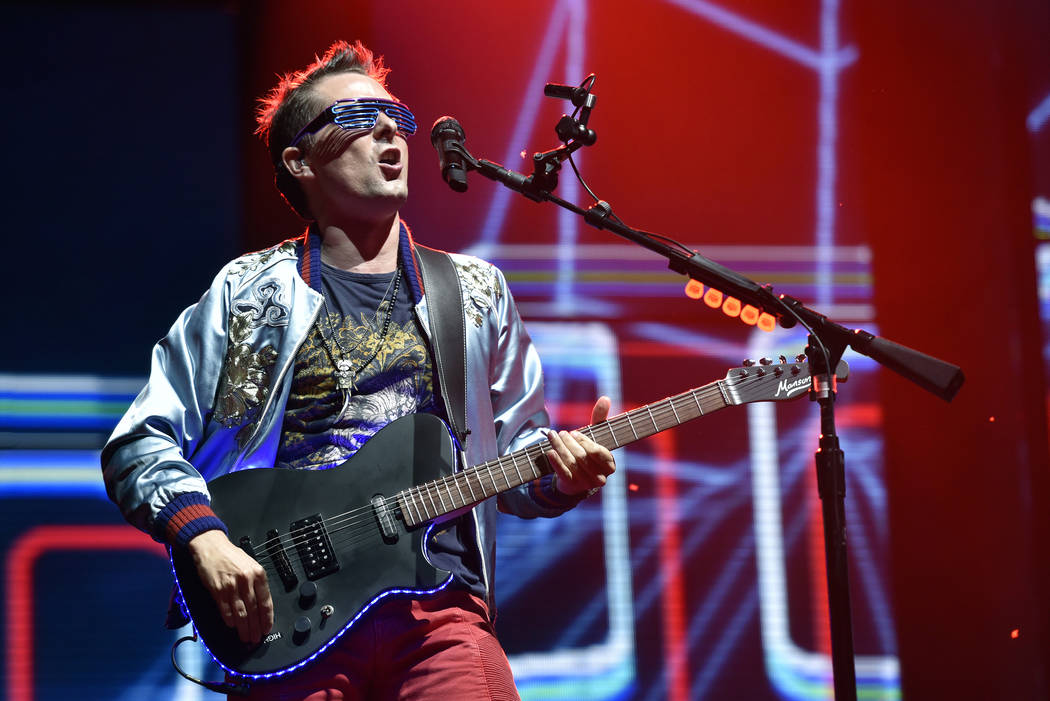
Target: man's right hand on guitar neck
x=236, y=582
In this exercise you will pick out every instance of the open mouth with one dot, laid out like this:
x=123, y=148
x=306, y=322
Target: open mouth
x=390, y=158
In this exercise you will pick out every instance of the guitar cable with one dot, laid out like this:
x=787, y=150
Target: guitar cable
x=235, y=688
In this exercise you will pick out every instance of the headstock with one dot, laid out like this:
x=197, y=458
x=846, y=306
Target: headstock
x=770, y=381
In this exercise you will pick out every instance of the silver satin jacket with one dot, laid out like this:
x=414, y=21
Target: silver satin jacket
x=219, y=380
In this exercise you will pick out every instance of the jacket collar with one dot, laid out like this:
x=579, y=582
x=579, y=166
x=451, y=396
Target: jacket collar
x=309, y=260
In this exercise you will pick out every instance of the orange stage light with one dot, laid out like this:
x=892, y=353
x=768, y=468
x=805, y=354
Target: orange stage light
x=694, y=290
x=713, y=298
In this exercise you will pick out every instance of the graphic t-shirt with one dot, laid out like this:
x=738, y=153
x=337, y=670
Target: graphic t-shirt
x=392, y=377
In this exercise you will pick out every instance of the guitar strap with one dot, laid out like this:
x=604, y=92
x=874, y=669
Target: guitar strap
x=448, y=334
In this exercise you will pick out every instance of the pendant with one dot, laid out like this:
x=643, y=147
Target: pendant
x=344, y=376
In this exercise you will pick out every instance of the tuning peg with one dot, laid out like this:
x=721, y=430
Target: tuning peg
x=800, y=358
x=783, y=360
x=748, y=363
x=765, y=361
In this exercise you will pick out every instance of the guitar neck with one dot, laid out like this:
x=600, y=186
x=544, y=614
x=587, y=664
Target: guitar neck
x=431, y=500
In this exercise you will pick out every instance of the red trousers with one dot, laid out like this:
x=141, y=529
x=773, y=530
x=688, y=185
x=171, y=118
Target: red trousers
x=441, y=648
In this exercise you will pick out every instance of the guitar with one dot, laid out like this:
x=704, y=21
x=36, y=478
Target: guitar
x=335, y=542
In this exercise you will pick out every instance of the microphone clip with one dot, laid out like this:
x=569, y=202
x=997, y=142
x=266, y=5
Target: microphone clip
x=572, y=131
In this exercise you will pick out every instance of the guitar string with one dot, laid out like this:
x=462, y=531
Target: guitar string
x=364, y=514
x=361, y=515
x=423, y=492
x=611, y=426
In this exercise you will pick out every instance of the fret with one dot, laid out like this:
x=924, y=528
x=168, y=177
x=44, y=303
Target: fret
x=441, y=489
x=424, y=515
x=412, y=493
x=466, y=478
x=725, y=396
x=535, y=453
x=503, y=474
x=406, y=507
x=459, y=488
x=432, y=502
x=514, y=461
x=631, y=424
x=697, y=400
x=671, y=403
x=612, y=434
x=656, y=426
x=475, y=476
x=495, y=489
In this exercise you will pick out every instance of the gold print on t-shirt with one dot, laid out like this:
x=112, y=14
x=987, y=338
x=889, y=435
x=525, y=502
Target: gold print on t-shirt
x=322, y=427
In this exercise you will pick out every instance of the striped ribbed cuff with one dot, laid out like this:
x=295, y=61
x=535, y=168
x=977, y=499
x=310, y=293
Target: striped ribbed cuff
x=186, y=516
x=545, y=493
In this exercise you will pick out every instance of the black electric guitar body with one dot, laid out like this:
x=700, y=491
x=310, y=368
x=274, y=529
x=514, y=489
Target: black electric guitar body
x=325, y=564
x=334, y=542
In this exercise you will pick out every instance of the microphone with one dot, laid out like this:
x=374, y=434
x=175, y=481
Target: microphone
x=445, y=134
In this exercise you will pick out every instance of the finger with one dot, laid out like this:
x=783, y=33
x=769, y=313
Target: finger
x=598, y=456
x=556, y=463
x=554, y=459
x=262, y=595
x=226, y=611
x=564, y=457
x=600, y=412
x=251, y=608
x=240, y=614
x=573, y=451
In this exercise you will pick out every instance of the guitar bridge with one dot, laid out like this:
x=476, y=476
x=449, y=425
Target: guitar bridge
x=314, y=546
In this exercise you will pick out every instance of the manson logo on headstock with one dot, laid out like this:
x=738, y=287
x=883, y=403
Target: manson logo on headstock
x=789, y=387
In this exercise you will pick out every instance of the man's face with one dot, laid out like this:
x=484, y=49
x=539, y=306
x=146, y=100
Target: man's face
x=358, y=175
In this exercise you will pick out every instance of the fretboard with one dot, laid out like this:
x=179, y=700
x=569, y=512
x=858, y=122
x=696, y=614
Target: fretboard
x=428, y=501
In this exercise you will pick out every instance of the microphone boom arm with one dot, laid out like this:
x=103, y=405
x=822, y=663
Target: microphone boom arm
x=932, y=374
x=827, y=342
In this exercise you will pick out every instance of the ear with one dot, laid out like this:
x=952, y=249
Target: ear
x=295, y=161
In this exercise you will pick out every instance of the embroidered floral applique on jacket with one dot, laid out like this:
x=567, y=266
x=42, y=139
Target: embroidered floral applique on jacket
x=266, y=308
x=246, y=373
x=251, y=262
x=480, y=286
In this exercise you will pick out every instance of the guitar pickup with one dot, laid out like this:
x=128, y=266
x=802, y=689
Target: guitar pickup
x=385, y=516
x=279, y=558
x=316, y=553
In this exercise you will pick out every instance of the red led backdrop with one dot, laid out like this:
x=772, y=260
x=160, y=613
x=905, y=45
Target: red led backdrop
x=874, y=159
x=711, y=136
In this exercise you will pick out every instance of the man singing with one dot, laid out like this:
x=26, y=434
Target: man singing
x=298, y=354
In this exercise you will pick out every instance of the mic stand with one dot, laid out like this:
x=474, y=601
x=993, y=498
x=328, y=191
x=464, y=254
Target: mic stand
x=827, y=342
